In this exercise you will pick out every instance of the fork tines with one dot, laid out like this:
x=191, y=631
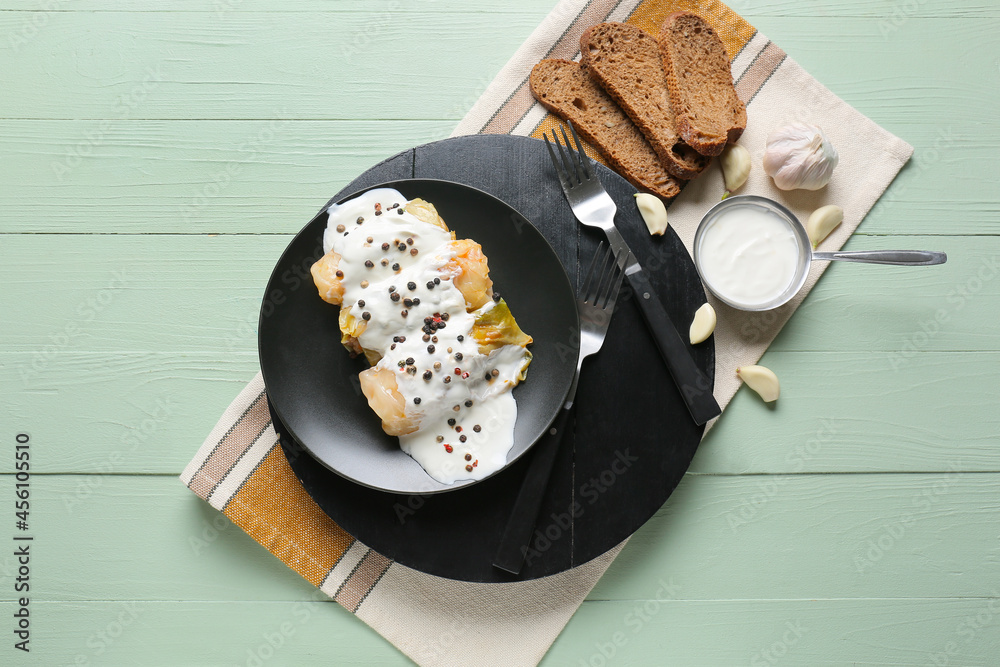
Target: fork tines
x=572, y=163
x=606, y=267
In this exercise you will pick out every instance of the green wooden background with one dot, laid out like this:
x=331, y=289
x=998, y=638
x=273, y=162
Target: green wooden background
x=156, y=157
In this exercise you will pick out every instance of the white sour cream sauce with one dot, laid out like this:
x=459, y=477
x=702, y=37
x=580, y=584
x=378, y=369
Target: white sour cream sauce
x=748, y=256
x=487, y=404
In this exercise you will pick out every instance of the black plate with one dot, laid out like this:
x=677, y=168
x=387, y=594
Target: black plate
x=631, y=439
x=313, y=383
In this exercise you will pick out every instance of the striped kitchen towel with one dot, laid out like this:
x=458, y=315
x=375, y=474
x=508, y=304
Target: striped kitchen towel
x=241, y=470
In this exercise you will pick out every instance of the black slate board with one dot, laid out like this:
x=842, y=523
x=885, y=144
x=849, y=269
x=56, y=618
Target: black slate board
x=631, y=440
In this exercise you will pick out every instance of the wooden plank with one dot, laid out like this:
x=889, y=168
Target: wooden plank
x=189, y=176
x=166, y=293
x=766, y=632
x=194, y=65
x=267, y=176
x=133, y=413
x=892, y=312
x=146, y=412
x=648, y=631
x=872, y=536
x=376, y=11
x=817, y=536
x=843, y=412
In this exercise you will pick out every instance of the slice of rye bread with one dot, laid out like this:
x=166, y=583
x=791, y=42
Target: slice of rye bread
x=565, y=89
x=626, y=61
x=709, y=113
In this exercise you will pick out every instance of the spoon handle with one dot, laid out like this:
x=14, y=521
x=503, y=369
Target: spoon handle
x=896, y=257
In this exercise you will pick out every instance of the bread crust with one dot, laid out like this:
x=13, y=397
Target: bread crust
x=626, y=62
x=564, y=88
x=709, y=113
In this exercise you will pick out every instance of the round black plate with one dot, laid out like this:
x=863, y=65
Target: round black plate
x=313, y=383
x=631, y=439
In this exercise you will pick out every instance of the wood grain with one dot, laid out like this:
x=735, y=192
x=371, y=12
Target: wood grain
x=855, y=523
x=806, y=632
x=719, y=537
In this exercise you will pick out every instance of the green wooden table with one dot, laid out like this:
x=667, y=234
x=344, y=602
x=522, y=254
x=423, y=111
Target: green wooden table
x=155, y=160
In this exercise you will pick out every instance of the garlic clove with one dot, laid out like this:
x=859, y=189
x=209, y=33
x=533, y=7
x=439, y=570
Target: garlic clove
x=735, y=163
x=823, y=221
x=762, y=380
x=799, y=156
x=703, y=324
x=654, y=213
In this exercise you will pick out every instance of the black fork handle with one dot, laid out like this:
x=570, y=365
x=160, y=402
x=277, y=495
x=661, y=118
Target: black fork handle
x=694, y=386
x=521, y=523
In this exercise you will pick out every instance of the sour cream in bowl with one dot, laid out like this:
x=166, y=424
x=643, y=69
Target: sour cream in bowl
x=752, y=253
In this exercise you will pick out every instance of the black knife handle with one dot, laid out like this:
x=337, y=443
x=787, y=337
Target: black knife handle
x=521, y=523
x=694, y=386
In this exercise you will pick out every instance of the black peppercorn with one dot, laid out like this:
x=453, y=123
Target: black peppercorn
x=411, y=286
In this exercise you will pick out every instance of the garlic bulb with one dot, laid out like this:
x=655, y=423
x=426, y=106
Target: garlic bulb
x=735, y=161
x=799, y=156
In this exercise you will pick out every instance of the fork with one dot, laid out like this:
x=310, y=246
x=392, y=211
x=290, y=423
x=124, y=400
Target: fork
x=596, y=304
x=593, y=207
